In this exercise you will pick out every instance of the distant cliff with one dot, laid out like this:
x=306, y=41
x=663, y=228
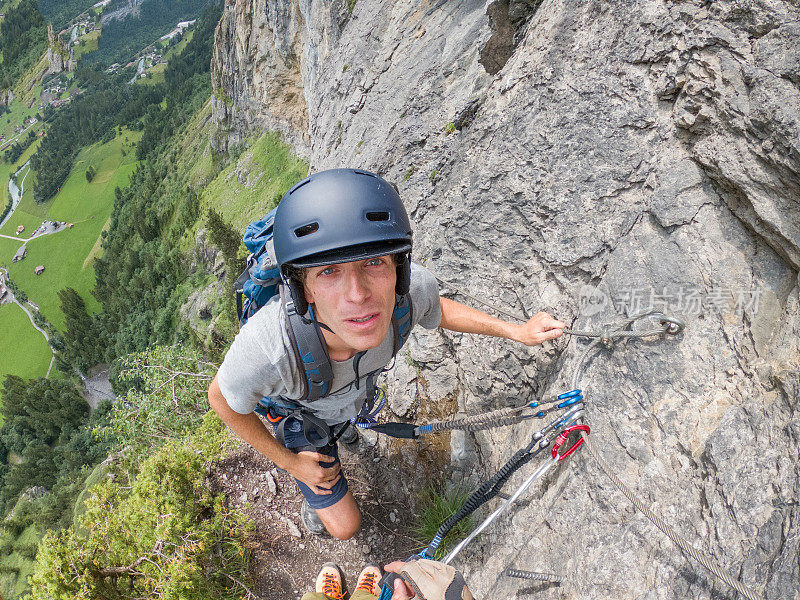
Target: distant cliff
x=586, y=158
x=60, y=54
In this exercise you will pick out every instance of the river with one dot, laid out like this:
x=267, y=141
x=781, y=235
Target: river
x=15, y=192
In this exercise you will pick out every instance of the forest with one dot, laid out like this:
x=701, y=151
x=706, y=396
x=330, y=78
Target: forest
x=123, y=38
x=52, y=447
x=61, y=12
x=23, y=40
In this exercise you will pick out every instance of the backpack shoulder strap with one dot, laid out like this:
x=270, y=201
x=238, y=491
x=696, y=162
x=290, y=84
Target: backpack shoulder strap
x=401, y=320
x=310, y=350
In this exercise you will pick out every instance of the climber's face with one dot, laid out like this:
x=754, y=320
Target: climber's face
x=356, y=300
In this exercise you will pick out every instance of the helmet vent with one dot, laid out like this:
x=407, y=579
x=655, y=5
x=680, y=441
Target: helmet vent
x=306, y=229
x=378, y=216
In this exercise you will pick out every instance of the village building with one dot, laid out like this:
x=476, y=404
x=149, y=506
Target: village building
x=20, y=228
x=39, y=270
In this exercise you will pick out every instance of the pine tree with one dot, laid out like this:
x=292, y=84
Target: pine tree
x=224, y=237
x=80, y=340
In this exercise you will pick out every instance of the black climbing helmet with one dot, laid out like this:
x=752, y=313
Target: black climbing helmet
x=341, y=215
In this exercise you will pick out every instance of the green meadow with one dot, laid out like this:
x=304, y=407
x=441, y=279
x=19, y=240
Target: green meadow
x=16, y=116
x=267, y=170
x=89, y=44
x=155, y=74
x=23, y=350
x=7, y=169
x=67, y=255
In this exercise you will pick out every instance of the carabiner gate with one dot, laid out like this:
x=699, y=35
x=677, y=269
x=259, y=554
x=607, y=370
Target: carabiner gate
x=563, y=438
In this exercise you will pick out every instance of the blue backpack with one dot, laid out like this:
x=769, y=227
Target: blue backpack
x=261, y=281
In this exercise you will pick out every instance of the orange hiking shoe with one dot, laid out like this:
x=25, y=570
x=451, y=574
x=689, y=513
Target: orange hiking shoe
x=368, y=580
x=329, y=582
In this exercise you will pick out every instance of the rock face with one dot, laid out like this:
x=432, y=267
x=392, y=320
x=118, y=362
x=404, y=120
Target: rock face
x=586, y=158
x=60, y=55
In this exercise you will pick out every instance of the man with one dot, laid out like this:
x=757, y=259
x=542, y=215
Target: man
x=342, y=240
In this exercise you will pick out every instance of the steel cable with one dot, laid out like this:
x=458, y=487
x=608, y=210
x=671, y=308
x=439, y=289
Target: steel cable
x=668, y=531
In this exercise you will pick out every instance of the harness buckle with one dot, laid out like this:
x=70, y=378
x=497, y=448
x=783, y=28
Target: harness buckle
x=562, y=437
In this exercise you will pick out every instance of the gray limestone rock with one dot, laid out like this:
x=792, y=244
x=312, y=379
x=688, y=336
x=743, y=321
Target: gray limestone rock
x=638, y=154
x=271, y=485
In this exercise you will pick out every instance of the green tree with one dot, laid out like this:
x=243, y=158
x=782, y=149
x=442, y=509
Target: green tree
x=224, y=237
x=81, y=348
x=164, y=392
x=23, y=40
x=39, y=409
x=160, y=532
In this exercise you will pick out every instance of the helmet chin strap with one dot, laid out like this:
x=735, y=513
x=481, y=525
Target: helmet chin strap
x=314, y=320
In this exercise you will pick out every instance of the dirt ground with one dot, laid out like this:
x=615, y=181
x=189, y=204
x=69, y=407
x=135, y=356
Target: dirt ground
x=288, y=558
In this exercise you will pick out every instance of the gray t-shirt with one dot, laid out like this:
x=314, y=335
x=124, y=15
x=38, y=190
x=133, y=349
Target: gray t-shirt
x=261, y=362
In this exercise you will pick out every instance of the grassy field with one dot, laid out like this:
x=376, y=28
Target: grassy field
x=23, y=350
x=17, y=114
x=29, y=89
x=92, y=39
x=155, y=74
x=89, y=206
x=267, y=170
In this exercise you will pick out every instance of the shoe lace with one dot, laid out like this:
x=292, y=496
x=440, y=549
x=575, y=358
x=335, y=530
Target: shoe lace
x=367, y=583
x=330, y=587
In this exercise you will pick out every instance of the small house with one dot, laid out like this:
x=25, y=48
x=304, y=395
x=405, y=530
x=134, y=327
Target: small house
x=39, y=270
x=20, y=228
x=70, y=225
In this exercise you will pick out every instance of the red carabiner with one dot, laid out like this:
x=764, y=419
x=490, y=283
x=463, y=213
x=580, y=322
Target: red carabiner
x=563, y=438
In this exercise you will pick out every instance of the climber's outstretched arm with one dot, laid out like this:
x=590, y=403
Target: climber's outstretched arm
x=462, y=318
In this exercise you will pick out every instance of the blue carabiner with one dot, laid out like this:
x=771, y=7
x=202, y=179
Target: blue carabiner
x=571, y=397
x=570, y=394
x=570, y=402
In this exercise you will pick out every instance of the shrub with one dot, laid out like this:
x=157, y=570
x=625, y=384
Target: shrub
x=162, y=529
